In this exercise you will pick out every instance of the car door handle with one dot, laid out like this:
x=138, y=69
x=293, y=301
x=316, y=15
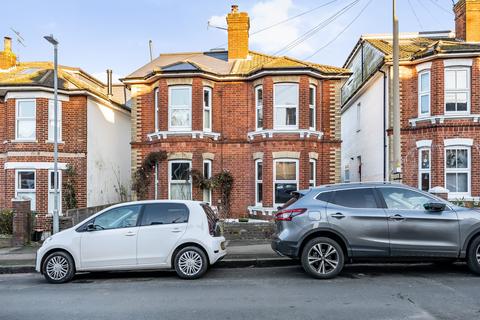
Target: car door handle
x=338, y=215
x=130, y=234
x=176, y=230
x=397, y=217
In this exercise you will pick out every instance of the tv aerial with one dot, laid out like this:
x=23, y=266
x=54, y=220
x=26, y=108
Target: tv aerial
x=20, y=39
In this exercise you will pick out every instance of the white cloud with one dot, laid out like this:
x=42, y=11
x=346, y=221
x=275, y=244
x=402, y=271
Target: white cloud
x=270, y=12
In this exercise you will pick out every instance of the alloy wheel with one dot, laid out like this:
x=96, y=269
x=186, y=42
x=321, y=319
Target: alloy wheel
x=323, y=258
x=190, y=263
x=57, y=268
x=478, y=254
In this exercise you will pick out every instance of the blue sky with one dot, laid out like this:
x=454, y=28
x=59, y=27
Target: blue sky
x=96, y=35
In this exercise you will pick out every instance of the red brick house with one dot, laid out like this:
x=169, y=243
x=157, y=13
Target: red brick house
x=273, y=122
x=440, y=107
x=94, y=129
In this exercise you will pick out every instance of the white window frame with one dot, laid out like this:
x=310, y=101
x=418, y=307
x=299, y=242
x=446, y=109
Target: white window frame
x=156, y=107
x=185, y=107
x=456, y=90
x=424, y=170
x=275, y=181
x=18, y=119
x=170, y=181
x=207, y=108
x=276, y=107
x=51, y=191
x=257, y=182
x=20, y=191
x=312, y=107
x=207, y=193
x=156, y=175
x=467, y=170
x=424, y=93
x=258, y=107
x=312, y=182
x=346, y=174
x=51, y=120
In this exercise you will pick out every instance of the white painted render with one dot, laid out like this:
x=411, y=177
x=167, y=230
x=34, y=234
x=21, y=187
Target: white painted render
x=108, y=153
x=364, y=142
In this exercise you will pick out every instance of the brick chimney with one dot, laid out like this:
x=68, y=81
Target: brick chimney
x=7, y=57
x=467, y=20
x=238, y=27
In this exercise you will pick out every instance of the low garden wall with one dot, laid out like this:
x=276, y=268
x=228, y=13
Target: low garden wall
x=248, y=230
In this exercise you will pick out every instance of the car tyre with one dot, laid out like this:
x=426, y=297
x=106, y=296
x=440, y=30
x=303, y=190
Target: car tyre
x=473, y=255
x=190, y=263
x=58, y=267
x=322, y=258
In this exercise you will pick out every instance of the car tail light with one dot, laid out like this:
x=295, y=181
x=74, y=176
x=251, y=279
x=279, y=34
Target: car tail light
x=287, y=215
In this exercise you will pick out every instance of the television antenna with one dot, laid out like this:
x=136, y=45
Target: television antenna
x=20, y=39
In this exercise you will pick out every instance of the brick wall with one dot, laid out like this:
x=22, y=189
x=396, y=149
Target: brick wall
x=233, y=110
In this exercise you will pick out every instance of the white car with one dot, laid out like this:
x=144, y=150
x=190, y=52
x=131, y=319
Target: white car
x=137, y=235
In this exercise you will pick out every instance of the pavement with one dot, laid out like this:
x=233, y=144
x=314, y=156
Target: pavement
x=374, y=292
x=240, y=254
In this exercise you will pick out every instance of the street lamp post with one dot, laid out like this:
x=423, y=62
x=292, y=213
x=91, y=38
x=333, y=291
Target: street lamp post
x=54, y=42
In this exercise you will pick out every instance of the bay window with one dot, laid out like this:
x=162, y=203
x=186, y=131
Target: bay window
x=457, y=90
x=180, y=108
x=25, y=119
x=424, y=93
x=312, y=98
x=51, y=120
x=285, y=180
x=25, y=186
x=258, y=182
x=207, y=174
x=207, y=109
x=259, y=107
x=457, y=171
x=285, y=106
x=179, y=182
x=424, y=169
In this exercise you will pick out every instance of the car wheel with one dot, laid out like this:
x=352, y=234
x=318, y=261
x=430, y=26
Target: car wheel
x=473, y=256
x=322, y=258
x=58, y=267
x=190, y=263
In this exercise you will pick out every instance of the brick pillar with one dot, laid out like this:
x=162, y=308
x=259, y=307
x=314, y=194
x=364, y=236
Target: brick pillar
x=21, y=222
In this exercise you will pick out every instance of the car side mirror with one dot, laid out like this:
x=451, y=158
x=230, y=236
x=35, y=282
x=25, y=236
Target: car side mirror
x=91, y=227
x=434, y=206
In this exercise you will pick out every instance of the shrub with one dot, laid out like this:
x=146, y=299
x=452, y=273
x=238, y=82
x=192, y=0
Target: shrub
x=6, y=221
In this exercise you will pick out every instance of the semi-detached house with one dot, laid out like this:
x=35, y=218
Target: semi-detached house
x=272, y=121
x=94, y=133
x=439, y=101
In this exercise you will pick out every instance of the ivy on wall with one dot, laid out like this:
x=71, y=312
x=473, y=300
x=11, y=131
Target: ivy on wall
x=142, y=175
x=69, y=192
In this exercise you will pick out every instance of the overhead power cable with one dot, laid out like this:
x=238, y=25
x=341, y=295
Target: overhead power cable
x=441, y=8
x=307, y=35
x=341, y=32
x=415, y=14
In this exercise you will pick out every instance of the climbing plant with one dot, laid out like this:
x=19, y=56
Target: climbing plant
x=142, y=175
x=69, y=192
x=222, y=181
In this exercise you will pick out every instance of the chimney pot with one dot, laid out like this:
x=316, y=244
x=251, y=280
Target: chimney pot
x=234, y=8
x=7, y=44
x=109, y=83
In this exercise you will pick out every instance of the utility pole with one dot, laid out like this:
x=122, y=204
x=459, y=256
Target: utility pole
x=397, y=167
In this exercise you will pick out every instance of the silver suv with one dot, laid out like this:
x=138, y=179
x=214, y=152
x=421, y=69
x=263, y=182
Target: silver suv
x=329, y=225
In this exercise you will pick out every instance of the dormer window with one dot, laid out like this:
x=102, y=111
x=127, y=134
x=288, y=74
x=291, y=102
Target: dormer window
x=285, y=106
x=457, y=90
x=180, y=108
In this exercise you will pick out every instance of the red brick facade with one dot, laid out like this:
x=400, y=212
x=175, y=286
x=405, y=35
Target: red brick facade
x=72, y=151
x=439, y=126
x=234, y=116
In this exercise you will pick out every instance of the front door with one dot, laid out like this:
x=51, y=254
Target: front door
x=357, y=214
x=113, y=243
x=415, y=231
x=162, y=226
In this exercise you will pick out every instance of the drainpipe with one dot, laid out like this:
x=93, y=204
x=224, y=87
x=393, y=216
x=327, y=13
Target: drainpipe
x=384, y=124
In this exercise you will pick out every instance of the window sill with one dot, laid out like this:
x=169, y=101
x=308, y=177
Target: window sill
x=24, y=141
x=194, y=134
x=441, y=118
x=269, y=133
